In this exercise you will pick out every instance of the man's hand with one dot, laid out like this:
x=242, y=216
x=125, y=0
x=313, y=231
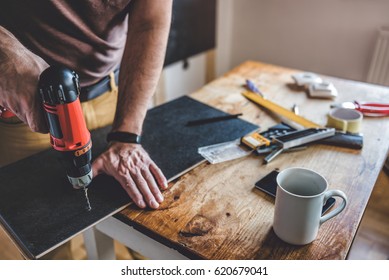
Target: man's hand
x=20, y=70
x=132, y=167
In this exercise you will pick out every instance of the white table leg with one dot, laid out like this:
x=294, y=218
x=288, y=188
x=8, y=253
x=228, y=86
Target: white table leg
x=98, y=245
x=137, y=241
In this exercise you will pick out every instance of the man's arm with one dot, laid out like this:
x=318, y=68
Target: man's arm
x=20, y=70
x=141, y=65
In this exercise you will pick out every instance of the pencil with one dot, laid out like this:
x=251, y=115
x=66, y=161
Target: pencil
x=212, y=120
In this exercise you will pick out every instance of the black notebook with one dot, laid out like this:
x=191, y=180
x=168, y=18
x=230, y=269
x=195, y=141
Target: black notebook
x=40, y=210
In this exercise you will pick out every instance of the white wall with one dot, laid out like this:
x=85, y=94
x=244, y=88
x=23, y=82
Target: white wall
x=224, y=35
x=179, y=81
x=334, y=37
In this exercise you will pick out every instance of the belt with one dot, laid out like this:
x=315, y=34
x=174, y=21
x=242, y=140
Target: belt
x=97, y=89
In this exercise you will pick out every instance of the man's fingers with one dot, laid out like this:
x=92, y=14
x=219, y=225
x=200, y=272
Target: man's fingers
x=144, y=189
x=158, y=175
x=42, y=126
x=98, y=167
x=130, y=187
x=35, y=119
x=149, y=178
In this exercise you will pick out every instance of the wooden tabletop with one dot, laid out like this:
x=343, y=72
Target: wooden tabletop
x=214, y=212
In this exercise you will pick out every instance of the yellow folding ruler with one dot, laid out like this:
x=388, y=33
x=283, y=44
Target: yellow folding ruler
x=255, y=140
x=280, y=110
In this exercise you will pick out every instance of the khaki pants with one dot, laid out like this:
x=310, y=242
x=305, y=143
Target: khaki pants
x=17, y=141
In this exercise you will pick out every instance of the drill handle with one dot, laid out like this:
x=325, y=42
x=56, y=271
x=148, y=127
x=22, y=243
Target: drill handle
x=59, y=90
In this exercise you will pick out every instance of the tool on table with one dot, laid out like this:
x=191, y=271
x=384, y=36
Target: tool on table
x=283, y=138
x=252, y=87
x=298, y=138
x=345, y=140
x=295, y=109
x=213, y=119
x=222, y=152
x=261, y=141
x=340, y=139
x=345, y=120
x=277, y=130
x=277, y=139
x=371, y=109
x=352, y=141
x=59, y=91
x=279, y=110
x=255, y=140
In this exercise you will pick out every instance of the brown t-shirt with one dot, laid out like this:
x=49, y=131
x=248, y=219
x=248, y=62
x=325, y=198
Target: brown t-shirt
x=85, y=35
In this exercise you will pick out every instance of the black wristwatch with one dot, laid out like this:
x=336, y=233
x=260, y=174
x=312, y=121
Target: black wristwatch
x=124, y=137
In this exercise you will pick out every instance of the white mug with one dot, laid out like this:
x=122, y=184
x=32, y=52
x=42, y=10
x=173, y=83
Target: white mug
x=301, y=194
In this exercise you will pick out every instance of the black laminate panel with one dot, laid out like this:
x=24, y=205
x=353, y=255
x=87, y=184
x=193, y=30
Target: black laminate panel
x=41, y=210
x=173, y=145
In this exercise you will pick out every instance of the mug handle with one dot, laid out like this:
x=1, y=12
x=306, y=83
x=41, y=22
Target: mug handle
x=338, y=209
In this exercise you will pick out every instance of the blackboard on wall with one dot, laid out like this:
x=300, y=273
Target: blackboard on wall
x=193, y=29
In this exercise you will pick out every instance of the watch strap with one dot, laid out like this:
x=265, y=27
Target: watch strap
x=124, y=137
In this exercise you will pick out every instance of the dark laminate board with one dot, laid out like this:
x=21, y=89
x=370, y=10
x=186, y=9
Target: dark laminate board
x=39, y=208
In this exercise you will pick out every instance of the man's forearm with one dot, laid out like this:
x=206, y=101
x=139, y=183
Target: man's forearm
x=12, y=55
x=15, y=59
x=20, y=70
x=142, y=62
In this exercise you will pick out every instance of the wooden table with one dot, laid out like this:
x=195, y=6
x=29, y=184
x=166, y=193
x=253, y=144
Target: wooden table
x=214, y=212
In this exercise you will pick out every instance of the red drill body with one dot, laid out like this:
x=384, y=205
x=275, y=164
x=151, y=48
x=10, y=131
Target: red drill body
x=72, y=125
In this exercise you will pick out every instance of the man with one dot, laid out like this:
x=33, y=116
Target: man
x=93, y=38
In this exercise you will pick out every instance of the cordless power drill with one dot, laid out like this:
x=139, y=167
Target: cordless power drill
x=59, y=90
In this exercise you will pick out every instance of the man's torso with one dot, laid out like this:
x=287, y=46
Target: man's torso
x=87, y=36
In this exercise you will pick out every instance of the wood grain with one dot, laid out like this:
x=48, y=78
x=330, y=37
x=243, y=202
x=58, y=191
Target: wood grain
x=213, y=212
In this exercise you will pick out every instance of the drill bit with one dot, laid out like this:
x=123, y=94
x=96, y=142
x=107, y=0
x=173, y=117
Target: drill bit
x=88, y=206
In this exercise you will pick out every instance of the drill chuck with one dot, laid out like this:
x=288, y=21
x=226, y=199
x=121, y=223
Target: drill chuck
x=59, y=91
x=82, y=181
x=78, y=166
